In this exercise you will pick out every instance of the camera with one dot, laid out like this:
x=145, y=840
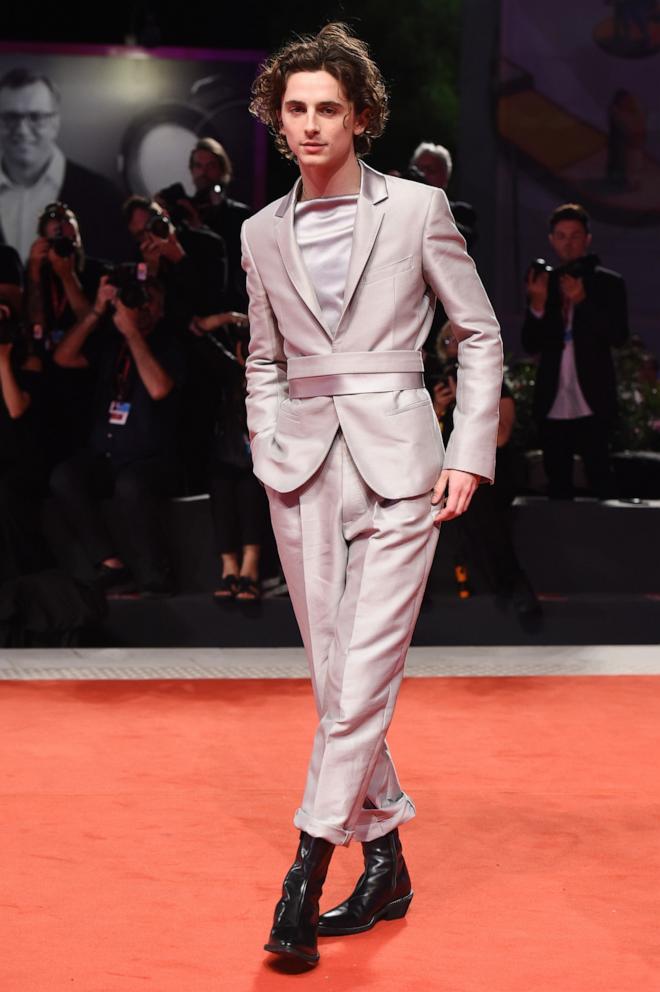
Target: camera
x=170, y=197
x=9, y=326
x=129, y=278
x=159, y=224
x=578, y=268
x=64, y=247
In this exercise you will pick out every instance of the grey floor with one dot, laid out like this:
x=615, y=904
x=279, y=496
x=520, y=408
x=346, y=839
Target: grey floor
x=280, y=663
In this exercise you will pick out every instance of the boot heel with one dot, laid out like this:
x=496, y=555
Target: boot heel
x=397, y=910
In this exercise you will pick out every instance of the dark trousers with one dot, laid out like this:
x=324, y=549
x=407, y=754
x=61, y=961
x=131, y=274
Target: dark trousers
x=584, y=436
x=23, y=547
x=238, y=505
x=137, y=489
x=486, y=530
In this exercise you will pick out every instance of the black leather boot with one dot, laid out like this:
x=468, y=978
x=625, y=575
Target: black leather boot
x=297, y=913
x=383, y=891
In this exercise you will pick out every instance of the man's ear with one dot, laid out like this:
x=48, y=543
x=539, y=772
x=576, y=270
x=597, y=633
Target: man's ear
x=589, y=238
x=361, y=122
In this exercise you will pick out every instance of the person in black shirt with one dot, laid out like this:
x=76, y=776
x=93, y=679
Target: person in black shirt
x=22, y=470
x=61, y=283
x=136, y=359
x=211, y=172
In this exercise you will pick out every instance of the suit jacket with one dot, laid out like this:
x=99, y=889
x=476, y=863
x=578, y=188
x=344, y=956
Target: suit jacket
x=96, y=203
x=600, y=322
x=406, y=252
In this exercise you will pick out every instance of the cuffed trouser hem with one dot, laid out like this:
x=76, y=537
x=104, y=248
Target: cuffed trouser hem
x=317, y=828
x=374, y=823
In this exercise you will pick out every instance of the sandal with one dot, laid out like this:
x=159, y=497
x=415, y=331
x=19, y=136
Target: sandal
x=228, y=587
x=248, y=589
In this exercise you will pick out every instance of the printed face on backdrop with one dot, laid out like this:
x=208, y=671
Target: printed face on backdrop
x=319, y=121
x=29, y=124
x=570, y=240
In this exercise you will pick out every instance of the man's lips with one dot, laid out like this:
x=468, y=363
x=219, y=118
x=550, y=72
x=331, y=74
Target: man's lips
x=313, y=144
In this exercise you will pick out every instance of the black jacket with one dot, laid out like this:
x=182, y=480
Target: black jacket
x=599, y=323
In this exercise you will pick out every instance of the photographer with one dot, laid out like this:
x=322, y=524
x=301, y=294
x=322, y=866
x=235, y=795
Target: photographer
x=22, y=548
x=211, y=171
x=136, y=362
x=485, y=531
x=191, y=264
x=575, y=314
x=238, y=502
x=61, y=283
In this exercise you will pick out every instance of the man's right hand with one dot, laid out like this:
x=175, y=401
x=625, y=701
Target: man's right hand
x=105, y=294
x=537, y=290
x=38, y=253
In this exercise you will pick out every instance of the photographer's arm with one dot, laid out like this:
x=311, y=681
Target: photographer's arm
x=65, y=269
x=34, y=301
x=69, y=352
x=16, y=400
x=158, y=383
x=607, y=312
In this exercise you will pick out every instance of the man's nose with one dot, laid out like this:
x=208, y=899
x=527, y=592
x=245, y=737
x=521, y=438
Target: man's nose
x=311, y=124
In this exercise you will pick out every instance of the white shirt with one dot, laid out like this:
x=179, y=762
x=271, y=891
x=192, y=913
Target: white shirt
x=20, y=206
x=324, y=232
x=569, y=402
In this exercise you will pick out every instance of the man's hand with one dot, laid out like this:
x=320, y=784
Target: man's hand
x=171, y=247
x=460, y=487
x=203, y=325
x=126, y=320
x=572, y=290
x=537, y=289
x=444, y=394
x=106, y=293
x=62, y=267
x=38, y=253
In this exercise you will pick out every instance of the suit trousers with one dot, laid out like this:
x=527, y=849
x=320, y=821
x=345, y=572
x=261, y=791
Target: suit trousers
x=356, y=566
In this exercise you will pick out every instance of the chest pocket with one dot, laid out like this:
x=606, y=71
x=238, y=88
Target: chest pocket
x=388, y=271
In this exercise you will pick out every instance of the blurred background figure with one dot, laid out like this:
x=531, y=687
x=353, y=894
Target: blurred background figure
x=485, y=534
x=575, y=314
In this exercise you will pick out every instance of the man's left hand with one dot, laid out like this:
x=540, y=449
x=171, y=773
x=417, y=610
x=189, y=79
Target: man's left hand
x=126, y=320
x=62, y=267
x=460, y=487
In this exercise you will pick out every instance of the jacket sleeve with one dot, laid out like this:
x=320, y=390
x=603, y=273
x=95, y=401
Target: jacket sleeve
x=265, y=369
x=605, y=313
x=451, y=274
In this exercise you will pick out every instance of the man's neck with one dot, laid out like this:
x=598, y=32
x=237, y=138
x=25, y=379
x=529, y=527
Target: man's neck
x=344, y=181
x=24, y=176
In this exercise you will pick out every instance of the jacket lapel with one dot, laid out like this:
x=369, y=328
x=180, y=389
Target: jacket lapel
x=368, y=218
x=293, y=262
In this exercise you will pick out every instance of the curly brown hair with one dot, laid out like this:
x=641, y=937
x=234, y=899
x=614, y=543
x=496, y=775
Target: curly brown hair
x=336, y=50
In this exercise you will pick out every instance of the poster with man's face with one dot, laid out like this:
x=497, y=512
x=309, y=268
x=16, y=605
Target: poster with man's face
x=93, y=125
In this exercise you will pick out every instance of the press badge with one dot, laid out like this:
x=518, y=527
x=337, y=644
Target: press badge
x=119, y=412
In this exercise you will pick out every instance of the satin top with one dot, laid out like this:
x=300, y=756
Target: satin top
x=324, y=232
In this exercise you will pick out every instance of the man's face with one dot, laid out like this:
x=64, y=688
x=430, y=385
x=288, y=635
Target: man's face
x=318, y=121
x=570, y=240
x=29, y=123
x=137, y=225
x=60, y=228
x=206, y=170
x=433, y=168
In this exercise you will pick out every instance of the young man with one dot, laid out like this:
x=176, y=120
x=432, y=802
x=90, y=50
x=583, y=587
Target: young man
x=342, y=277
x=575, y=315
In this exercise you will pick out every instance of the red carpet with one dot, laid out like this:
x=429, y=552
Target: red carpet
x=146, y=827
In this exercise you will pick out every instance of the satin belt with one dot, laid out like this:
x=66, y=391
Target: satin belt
x=340, y=362
x=353, y=382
